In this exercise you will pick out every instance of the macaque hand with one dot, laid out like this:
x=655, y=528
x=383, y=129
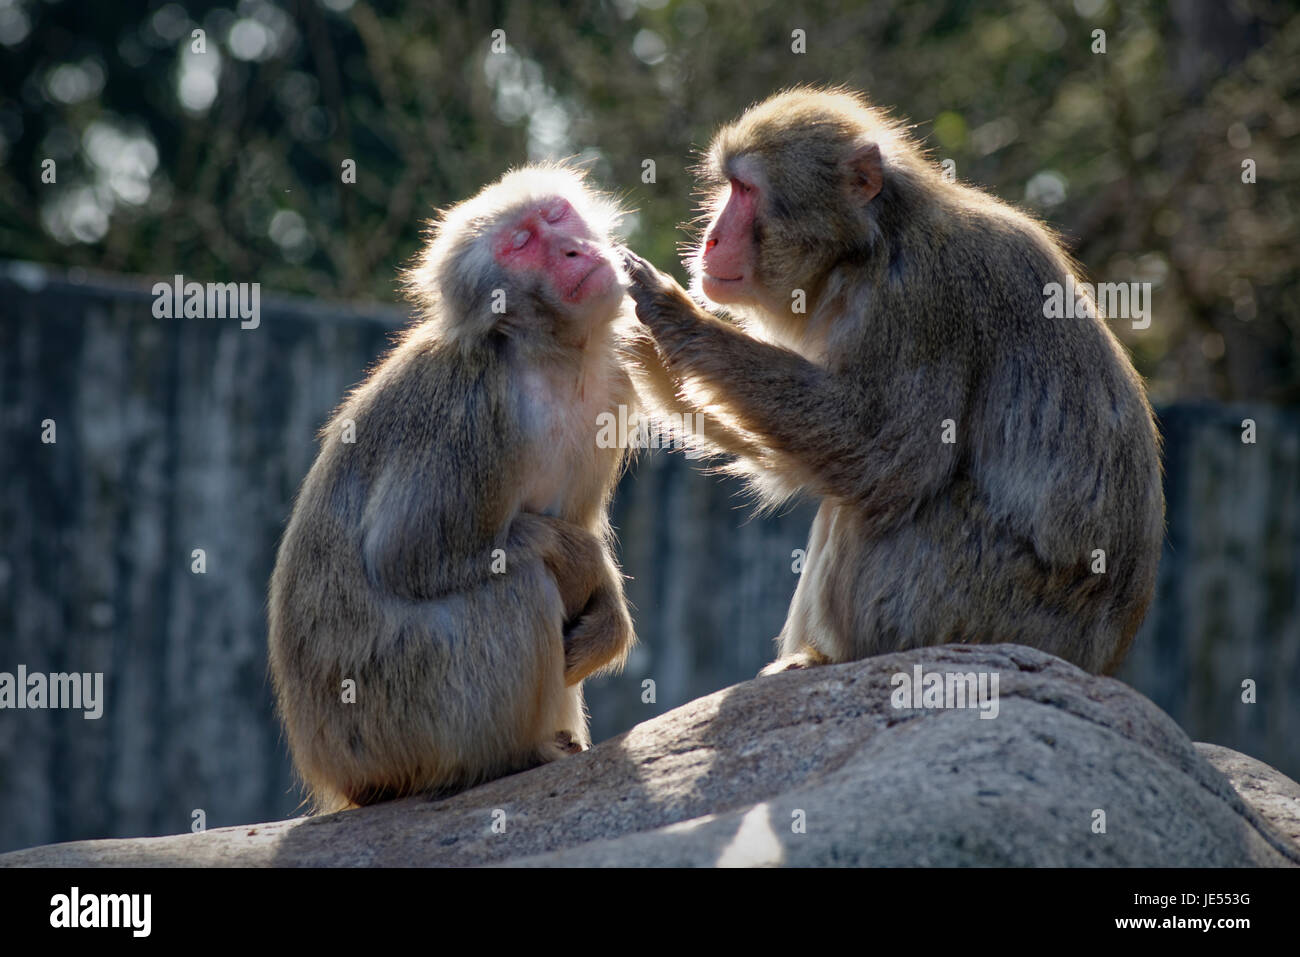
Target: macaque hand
x=600, y=638
x=661, y=304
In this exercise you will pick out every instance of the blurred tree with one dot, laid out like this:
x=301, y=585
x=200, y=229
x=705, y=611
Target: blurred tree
x=221, y=153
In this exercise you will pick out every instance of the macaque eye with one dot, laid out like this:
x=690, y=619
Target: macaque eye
x=520, y=238
x=556, y=212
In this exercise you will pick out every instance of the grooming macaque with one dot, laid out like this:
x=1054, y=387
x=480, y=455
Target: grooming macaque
x=449, y=551
x=986, y=474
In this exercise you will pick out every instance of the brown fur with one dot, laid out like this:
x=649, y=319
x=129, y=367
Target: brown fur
x=924, y=303
x=476, y=433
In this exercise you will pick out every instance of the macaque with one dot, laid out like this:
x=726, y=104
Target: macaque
x=446, y=581
x=985, y=473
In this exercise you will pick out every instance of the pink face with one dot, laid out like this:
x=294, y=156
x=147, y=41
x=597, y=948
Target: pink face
x=552, y=240
x=728, y=254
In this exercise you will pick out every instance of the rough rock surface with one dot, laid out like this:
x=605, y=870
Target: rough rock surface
x=815, y=768
x=1270, y=792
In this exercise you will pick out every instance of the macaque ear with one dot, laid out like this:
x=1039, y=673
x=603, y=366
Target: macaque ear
x=866, y=172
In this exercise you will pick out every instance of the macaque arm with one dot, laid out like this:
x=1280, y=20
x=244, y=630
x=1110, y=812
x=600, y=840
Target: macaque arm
x=574, y=556
x=600, y=638
x=661, y=395
x=597, y=628
x=880, y=446
x=459, y=555
x=438, y=508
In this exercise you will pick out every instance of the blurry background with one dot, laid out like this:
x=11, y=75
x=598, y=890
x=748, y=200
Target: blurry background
x=224, y=165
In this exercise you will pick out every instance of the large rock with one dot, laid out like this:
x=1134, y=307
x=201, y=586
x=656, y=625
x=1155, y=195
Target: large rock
x=1270, y=792
x=728, y=778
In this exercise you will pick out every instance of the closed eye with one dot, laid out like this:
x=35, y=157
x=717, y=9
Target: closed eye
x=556, y=212
x=521, y=239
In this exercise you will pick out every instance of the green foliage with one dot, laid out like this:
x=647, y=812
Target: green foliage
x=226, y=164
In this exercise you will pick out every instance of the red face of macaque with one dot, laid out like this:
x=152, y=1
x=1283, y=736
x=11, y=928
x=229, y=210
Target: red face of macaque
x=727, y=257
x=552, y=241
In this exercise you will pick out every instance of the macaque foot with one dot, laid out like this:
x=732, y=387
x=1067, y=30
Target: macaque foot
x=796, y=662
x=567, y=743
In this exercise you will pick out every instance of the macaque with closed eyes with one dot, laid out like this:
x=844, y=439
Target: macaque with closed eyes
x=986, y=473
x=453, y=561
